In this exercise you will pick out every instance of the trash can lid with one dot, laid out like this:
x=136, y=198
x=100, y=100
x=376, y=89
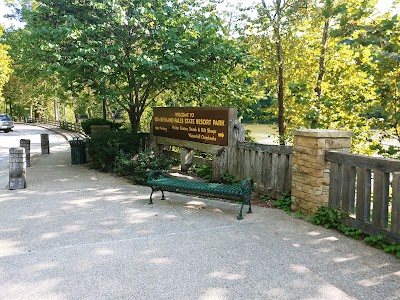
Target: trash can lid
x=77, y=140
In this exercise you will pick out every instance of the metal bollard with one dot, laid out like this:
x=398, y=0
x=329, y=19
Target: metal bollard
x=44, y=138
x=26, y=144
x=17, y=167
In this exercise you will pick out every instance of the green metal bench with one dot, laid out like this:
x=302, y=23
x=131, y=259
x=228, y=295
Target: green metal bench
x=159, y=181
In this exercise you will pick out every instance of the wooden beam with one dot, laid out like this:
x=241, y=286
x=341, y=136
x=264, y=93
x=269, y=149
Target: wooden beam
x=208, y=148
x=363, y=161
x=266, y=148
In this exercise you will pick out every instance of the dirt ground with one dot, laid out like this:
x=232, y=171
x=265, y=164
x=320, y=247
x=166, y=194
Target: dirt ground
x=257, y=201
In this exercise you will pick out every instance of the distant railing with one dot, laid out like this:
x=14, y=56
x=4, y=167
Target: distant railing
x=75, y=127
x=367, y=190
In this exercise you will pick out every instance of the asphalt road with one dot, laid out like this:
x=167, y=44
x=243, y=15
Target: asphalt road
x=12, y=140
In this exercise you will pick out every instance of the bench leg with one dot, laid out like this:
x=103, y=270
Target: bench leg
x=250, y=211
x=240, y=216
x=245, y=200
x=151, y=195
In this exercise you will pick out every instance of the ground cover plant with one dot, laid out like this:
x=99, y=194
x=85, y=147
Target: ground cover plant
x=330, y=218
x=203, y=171
x=284, y=202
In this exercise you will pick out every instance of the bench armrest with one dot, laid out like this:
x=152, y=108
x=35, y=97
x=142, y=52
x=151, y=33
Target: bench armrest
x=154, y=174
x=247, y=185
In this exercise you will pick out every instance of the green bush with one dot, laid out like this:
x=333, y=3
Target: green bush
x=327, y=217
x=203, y=171
x=97, y=121
x=105, y=147
x=378, y=241
x=137, y=167
x=230, y=179
x=284, y=202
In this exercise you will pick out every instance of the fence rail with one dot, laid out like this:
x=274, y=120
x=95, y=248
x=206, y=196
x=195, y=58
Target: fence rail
x=367, y=190
x=270, y=166
x=76, y=127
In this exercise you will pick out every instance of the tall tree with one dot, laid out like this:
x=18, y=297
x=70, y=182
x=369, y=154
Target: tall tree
x=130, y=51
x=5, y=66
x=278, y=15
x=382, y=37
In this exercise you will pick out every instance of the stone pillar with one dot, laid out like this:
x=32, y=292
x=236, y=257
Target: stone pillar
x=44, y=138
x=17, y=168
x=26, y=144
x=186, y=156
x=310, y=171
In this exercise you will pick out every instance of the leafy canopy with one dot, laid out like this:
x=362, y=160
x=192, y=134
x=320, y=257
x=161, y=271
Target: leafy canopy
x=129, y=51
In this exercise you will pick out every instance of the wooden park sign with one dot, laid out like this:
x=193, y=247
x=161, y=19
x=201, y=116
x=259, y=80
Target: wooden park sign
x=208, y=125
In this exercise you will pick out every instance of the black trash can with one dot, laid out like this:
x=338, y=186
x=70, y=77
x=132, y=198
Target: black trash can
x=78, y=151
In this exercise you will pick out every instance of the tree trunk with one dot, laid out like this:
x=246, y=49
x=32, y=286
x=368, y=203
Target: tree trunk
x=11, y=108
x=281, y=92
x=134, y=118
x=276, y=21
x=322, y=70
x=56, y=111
x=104, y=109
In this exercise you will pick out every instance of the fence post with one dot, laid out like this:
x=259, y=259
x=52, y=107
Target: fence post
x=186, y=157
x=228, y=159
x=310, y=171
x=17, y=169
x=44, y=138
x=26, y=144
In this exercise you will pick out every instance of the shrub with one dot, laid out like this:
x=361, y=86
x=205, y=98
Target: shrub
x=284, y=202
x=97, y=121
x=203, y=171
x=327, y=217
x=137, y=167
x=105, y=147
x=230, y=179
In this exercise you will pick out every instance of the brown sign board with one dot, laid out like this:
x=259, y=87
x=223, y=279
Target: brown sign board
x=204, y=125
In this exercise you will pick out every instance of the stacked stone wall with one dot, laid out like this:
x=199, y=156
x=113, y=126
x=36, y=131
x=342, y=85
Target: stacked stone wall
x=310, y=171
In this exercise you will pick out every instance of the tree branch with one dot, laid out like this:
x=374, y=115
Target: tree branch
x=147, y=90
x=123, y=96
x=152, y=99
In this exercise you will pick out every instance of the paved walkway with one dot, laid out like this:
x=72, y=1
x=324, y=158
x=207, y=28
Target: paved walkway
x=75, y=233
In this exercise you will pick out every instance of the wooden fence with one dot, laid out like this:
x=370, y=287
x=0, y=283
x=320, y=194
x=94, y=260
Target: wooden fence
x=270, y=166
x=367, y=190
x=75, y=127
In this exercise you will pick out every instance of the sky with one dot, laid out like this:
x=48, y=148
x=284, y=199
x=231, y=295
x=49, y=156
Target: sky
x=383, y=5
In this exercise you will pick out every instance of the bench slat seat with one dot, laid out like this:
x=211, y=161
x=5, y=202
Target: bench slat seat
x=161, y=182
